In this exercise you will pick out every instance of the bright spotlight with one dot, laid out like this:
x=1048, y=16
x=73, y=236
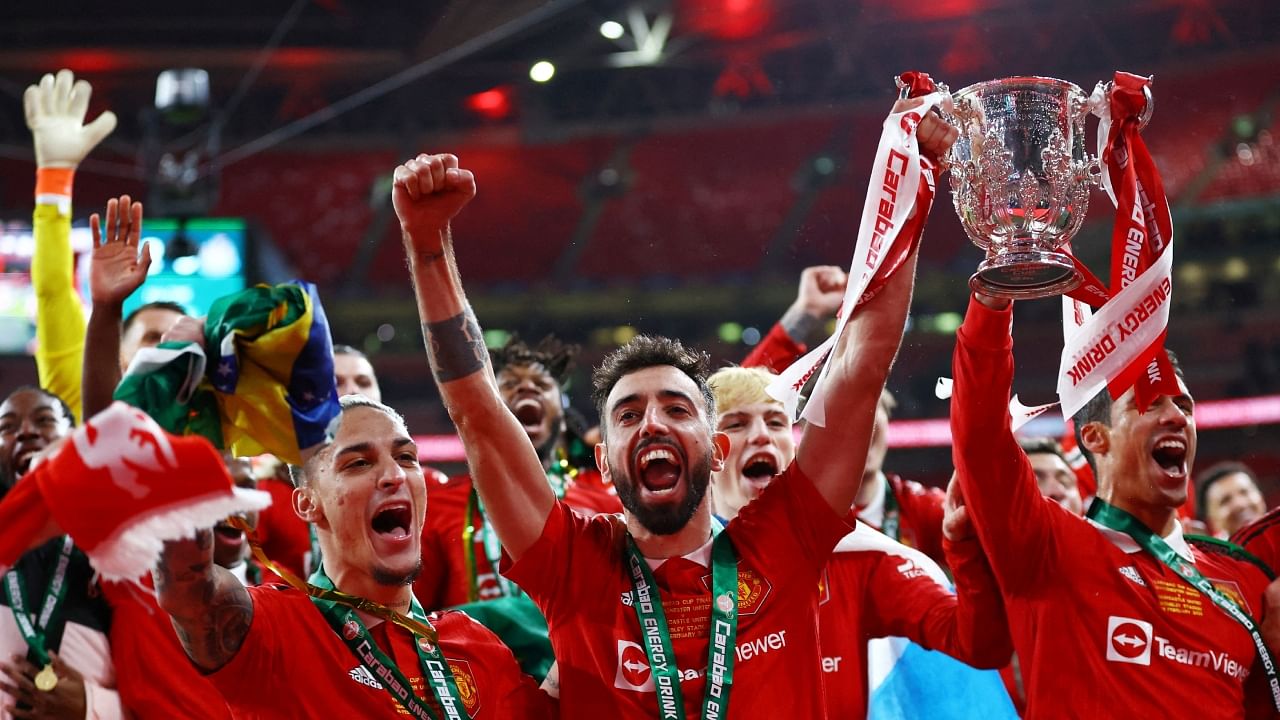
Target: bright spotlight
x=542, y=71
x=611, y=29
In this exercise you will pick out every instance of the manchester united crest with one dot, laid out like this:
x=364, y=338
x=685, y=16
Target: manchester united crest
x=351, y=630
x=1232, y=591
x=752, y=590
x=468, y=693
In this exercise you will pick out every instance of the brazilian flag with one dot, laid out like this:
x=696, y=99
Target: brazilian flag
x=267, y=385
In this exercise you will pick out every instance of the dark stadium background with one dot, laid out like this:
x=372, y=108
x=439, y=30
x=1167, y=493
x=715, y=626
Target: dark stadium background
x=671, y=182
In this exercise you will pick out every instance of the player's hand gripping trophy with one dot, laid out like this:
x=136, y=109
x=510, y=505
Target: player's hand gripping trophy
x=1020, y=179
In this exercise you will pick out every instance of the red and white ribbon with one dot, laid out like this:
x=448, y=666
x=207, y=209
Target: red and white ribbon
x=899, y=195
x=1122, y=345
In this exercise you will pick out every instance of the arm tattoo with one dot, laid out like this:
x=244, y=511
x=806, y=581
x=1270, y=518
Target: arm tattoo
x=799, y=325
x=455, y=346
x=210, y=609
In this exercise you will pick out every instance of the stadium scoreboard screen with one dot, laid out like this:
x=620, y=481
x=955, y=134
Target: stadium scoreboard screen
x=193, y=262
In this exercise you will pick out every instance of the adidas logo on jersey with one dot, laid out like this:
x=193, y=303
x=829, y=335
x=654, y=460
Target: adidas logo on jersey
x=1131, y=572
x=362, y=675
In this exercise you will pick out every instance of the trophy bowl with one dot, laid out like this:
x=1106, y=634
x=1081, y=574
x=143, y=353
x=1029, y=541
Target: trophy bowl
x=1020, y=181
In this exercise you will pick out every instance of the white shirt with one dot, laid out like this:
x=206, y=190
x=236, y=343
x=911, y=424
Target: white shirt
x=1174, y=540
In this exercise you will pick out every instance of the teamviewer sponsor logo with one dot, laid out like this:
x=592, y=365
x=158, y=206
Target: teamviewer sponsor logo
x=634, y=672
x=633, y=668
x=1128, y=641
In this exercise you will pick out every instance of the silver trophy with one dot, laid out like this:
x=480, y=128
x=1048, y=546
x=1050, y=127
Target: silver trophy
x=1020, y=180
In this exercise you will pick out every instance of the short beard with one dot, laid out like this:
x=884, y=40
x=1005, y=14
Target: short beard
x=383, y=576
x=665, y=520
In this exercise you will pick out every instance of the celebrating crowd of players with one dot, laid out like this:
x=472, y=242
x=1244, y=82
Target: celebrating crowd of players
x=696, y=561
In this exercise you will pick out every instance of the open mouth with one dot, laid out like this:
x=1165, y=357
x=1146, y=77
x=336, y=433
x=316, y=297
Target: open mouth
x=529, y=412
x=22, y=461
x=659, y=467
x=393, y=522
x=1171, y=456
x=760, y=468
x=226, y=531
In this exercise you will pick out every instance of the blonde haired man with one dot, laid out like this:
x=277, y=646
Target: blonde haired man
x=873, y=587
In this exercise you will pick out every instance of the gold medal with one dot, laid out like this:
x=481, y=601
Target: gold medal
x=46, y=679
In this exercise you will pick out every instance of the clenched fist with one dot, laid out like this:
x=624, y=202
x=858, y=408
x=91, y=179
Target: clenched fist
x=426, y=193
x=821, y=290
x=935, y=135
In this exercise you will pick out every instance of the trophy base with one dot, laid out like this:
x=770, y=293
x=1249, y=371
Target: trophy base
x=1026, y=274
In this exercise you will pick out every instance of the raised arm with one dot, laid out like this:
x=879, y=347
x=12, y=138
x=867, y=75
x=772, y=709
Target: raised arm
x=211, y=610
x=116, y=272
x=833, y=457
x=1014, y=522
x=55, y=111
x=817, y=300
x=427, y=192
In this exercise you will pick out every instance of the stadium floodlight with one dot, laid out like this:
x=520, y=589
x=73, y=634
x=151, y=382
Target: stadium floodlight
x=611, y=29
x=542, y=71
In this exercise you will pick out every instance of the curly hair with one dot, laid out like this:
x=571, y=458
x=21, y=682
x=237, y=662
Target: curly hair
x=645, y=351
x=550, y=352
x=66, y=409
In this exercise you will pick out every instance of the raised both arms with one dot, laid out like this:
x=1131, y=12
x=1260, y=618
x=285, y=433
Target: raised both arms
x=427, y=192
x=211, y=610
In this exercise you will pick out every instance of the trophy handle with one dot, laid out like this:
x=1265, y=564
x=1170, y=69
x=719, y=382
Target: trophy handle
x=1097, y=102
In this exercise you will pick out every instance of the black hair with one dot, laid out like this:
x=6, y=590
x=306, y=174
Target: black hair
x=645, y=351
x=1098, y=409
x=550, y=352
x=157, y=305
x=1212, y=475
x=1043, y=446
x=298, y=473
x=66, y=409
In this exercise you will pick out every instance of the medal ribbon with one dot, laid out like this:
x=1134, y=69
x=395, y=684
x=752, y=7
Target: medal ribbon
x=901, y=182
x=34, y=629
x=343, y=619
x=476, y=525
x=1112, y=517
x=722, y=648
x=892, y=515
x=413, y=625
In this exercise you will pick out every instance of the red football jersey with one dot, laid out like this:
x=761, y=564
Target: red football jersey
x=285, y=537
x=920, y=511
x=1102, y=629
x=1262, y=538
x=875, y=587
x=445, y=579
x=776, y=351
x=578, y=575
x=153, y=674
x=292, y=664
x=920, y=507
